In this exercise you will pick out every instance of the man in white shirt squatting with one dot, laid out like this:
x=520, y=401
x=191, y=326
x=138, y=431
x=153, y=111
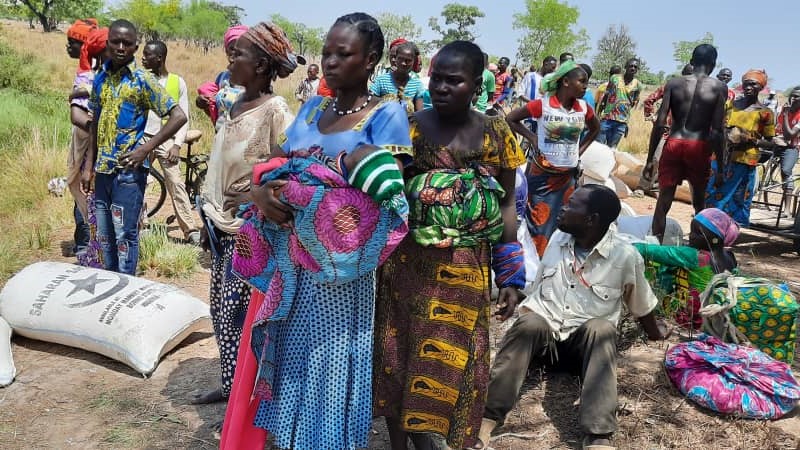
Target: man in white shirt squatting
x=571, y=314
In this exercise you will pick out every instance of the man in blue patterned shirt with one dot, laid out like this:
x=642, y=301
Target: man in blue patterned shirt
x=122, y=95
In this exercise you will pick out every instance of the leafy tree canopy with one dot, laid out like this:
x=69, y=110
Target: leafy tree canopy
x=462, y=17
x=549, y=29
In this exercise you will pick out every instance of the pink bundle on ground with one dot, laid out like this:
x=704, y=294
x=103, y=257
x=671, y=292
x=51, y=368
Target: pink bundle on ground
x=732, y=379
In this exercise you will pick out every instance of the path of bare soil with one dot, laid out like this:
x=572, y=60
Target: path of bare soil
x=69, y=398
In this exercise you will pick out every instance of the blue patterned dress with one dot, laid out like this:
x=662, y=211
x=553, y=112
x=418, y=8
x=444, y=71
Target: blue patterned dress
x=322, y=385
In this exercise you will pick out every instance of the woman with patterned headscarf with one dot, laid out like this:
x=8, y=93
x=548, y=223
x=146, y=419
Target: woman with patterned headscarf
x=561, y=116
x=248, y=133
x=750, y=125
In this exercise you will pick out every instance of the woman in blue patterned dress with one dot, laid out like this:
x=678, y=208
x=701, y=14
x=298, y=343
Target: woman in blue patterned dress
x=318, y=393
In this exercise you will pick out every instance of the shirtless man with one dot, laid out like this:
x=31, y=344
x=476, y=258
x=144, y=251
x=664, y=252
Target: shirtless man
x=697, y=105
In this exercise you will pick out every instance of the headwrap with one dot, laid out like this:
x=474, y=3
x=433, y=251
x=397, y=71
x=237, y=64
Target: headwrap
x=233, y=33
x=397, y=42
x=94, y=44
x=719, y=223
x=273, y=41
x=417, y=66
x=81, y=28
x=551, y=81
x=759, y=75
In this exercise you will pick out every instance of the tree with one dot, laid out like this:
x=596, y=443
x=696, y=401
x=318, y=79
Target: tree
x=463, y=17
x=305, y=40
x=548, y=30
x=50, y=12
x=614, y=48
x=153, y=20
x=682, y=53
x=233, y=14
x=396, y=26
x=202, y=23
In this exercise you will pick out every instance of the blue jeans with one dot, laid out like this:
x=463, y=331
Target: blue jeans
x=81, y=234
x=788, y=157
x=611, y=132
x=118, y=199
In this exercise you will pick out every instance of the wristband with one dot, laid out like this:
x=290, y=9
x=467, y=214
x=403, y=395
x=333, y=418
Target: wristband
x=508, y=264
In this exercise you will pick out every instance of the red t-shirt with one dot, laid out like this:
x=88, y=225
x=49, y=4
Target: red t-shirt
x=324, y=90
x=794, y=124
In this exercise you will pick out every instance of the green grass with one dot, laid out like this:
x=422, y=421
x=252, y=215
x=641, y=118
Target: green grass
x=25, y=115
x=165, y=257
x=34, y=139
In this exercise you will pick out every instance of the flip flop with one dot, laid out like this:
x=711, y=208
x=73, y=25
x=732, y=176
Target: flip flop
x=485, y=433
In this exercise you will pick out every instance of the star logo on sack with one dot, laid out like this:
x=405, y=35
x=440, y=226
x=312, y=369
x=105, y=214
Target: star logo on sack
x=87, y=284
x=90, y=285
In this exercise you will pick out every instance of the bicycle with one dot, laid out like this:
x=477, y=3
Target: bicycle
x=769, y=187
x=196, y=168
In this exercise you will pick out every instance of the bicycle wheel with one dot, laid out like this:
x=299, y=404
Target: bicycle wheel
x=155, y=193
x=197, y=167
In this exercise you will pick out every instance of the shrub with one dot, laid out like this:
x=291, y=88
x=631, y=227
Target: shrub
x=165, y=257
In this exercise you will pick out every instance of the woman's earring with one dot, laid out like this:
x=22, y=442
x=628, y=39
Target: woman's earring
x=715, y=241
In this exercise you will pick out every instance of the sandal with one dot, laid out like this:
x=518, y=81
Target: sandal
x=485, y=433
x=600, y=446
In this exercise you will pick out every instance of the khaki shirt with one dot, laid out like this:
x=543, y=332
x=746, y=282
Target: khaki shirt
x=567, y=293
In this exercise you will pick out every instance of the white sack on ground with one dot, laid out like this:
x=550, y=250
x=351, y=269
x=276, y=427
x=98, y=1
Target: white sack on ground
x=627, y=160
x=126, y=318
x=7, y=369
x=598, y=161
x=640, y=228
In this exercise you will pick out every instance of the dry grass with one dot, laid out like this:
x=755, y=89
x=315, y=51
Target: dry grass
x=638, y=138
x=26, y=230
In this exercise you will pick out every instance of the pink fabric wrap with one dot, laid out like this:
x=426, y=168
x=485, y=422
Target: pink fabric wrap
x=719, y=223
x=233, y=33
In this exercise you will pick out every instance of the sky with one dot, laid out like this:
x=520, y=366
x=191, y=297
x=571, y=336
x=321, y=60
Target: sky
x=760, y=34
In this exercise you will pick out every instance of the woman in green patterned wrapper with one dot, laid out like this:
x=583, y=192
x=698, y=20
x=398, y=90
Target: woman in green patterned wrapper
x=432, y=320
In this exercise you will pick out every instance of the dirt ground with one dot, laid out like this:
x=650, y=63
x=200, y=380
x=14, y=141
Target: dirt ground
x=69, y=398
